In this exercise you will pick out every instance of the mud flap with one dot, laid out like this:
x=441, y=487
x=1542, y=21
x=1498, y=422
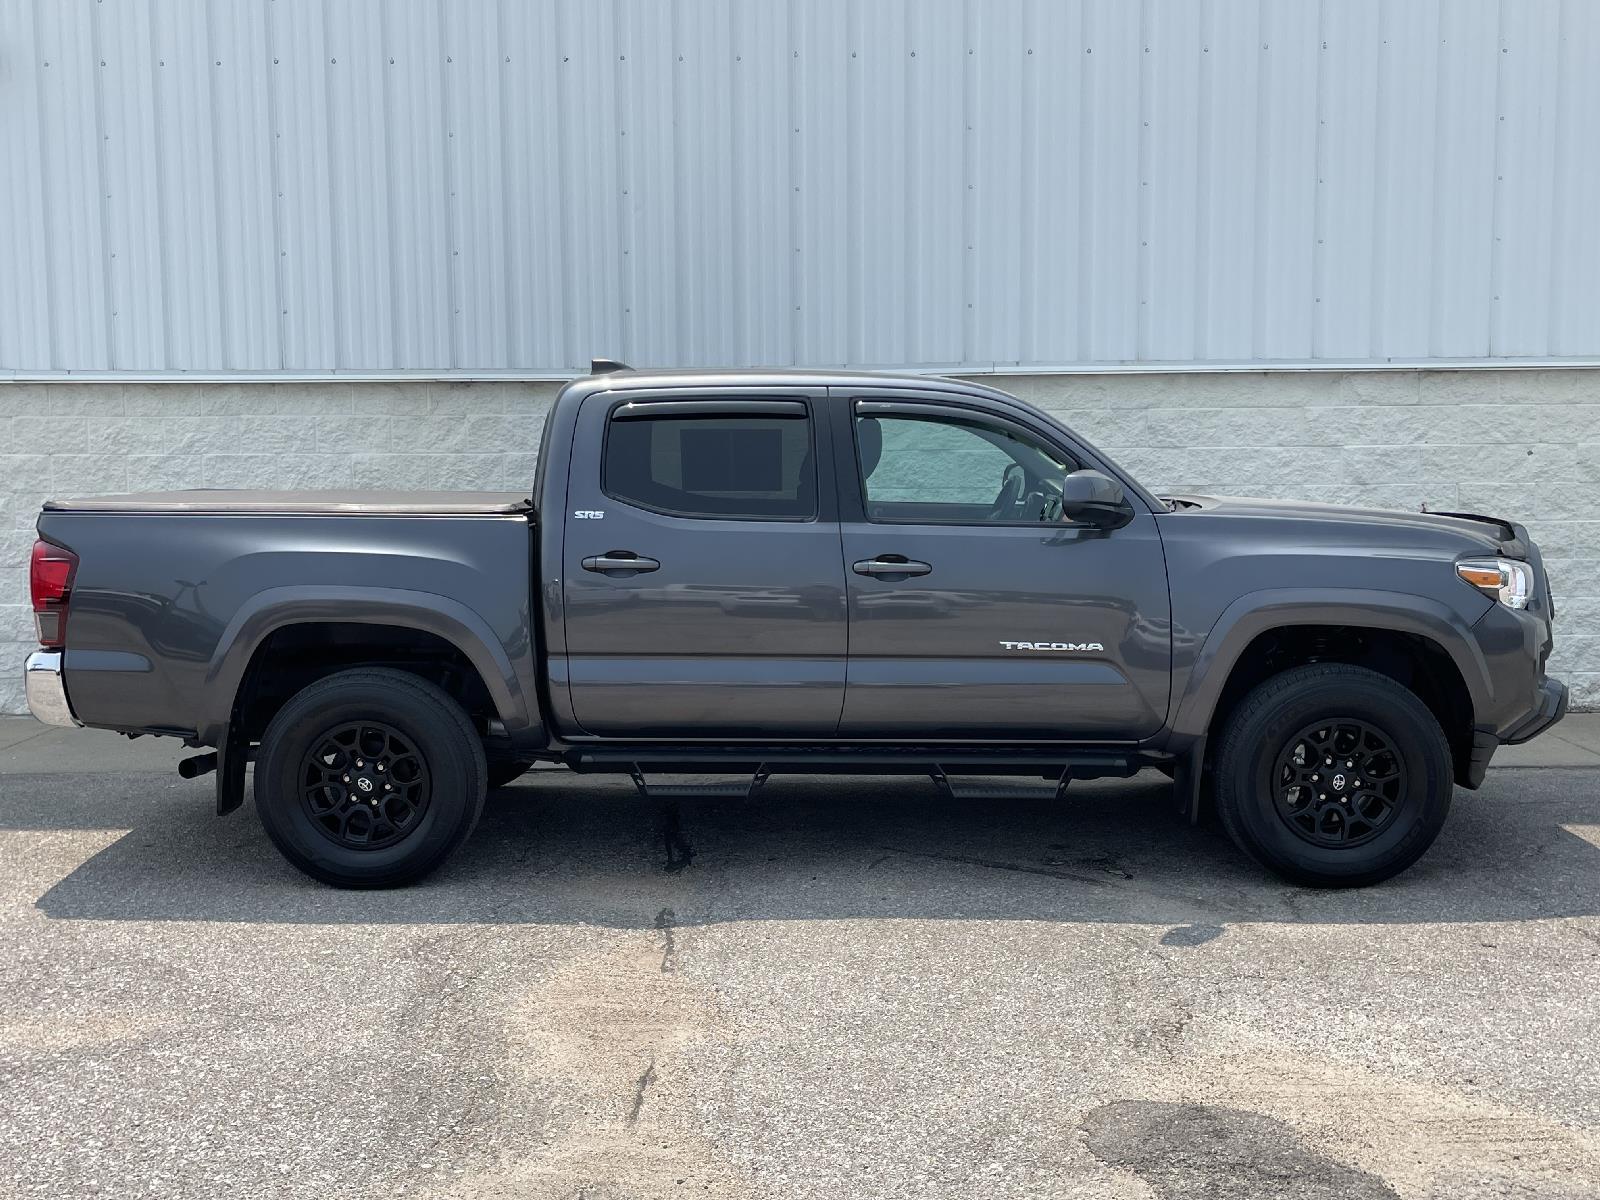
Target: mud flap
x=1186, y=781
x=232, y=754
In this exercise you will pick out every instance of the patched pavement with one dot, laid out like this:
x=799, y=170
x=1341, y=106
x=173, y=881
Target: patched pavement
x=844, y=988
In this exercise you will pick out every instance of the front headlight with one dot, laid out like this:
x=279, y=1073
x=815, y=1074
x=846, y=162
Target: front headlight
x=1502, y=579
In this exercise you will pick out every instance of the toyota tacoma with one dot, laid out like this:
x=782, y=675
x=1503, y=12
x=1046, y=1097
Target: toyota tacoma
x=755, y=572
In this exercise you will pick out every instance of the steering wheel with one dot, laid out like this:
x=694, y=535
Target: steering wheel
x=1010, y=495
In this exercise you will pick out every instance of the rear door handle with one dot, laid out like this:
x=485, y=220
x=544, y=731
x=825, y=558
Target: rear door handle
x=890, y=564
x=620, y=560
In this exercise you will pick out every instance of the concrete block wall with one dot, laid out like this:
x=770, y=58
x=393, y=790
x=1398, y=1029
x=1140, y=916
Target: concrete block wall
x=1517, y=443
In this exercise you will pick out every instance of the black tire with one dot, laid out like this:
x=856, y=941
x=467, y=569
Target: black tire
x=446, y=759
x=1258, y=752
x=503, y=771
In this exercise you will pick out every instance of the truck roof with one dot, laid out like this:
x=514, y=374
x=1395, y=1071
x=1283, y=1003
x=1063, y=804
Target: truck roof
x=621, y=378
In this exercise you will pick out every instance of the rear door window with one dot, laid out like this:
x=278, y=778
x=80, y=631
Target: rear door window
x=721, y=466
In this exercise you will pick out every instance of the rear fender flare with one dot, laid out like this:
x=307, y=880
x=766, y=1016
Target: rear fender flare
x=276, y=608
x=1256, y=612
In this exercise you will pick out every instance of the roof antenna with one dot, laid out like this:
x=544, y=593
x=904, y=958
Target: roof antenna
x=605, y=366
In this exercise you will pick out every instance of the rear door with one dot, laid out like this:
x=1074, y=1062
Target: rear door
x=974, y=613
x=702, y=588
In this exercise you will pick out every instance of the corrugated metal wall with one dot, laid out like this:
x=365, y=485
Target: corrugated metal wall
x=464, y=185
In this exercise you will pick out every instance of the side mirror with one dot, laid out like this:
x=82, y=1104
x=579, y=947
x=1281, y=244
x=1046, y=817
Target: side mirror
x=1090, y=498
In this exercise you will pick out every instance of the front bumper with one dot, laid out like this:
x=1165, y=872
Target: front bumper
x=47, y=688
x=1551, y=707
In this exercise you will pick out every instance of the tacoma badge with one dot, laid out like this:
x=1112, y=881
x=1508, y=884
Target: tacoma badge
x=1072, y=646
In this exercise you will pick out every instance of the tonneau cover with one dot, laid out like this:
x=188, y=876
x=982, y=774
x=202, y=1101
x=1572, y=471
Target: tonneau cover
x=310, y=503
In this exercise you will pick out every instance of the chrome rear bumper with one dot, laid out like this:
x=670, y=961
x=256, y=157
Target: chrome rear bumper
x=47, y=688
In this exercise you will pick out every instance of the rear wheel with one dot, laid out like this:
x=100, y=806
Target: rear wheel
x=1333, y=776
x=369, y=778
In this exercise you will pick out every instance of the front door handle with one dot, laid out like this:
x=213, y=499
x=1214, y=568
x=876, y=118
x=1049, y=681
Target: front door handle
x=890, y=564
x=619, y=560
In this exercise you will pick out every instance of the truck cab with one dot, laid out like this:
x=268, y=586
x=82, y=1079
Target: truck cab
x=763, y=558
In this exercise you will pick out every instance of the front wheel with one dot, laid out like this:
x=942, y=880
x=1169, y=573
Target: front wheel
x=1333, y=776
x=370, y=778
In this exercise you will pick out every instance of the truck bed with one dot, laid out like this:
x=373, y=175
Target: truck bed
x=307, y=503
x=174, y=594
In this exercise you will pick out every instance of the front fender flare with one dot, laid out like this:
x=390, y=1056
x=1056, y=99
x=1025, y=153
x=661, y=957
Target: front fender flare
x=276, y=608
x=1256, y=612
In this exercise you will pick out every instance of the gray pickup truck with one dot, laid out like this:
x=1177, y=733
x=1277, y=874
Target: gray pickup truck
x=754, y=572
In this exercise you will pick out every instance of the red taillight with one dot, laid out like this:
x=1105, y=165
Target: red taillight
x=51, y=581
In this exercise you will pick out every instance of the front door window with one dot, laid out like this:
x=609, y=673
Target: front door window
x=946, y=470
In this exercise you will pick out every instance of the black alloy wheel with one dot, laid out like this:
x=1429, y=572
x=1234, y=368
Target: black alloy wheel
x=365, y=785
x=1340, y=782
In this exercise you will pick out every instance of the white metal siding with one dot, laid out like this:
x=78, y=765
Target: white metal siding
x=471, y=186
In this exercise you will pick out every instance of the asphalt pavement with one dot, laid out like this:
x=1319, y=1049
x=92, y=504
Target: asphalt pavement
x=843, y=988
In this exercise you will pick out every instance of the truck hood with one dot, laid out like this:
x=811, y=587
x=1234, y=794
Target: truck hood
x=1489, y=533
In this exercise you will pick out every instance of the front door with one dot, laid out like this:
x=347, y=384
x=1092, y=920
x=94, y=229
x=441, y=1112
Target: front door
x=702, y=588
x=975, y=612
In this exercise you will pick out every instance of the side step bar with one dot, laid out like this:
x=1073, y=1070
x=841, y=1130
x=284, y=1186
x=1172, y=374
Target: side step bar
x=956, y=789
x=961, y=774
x=1090, y=762
x=673, y=791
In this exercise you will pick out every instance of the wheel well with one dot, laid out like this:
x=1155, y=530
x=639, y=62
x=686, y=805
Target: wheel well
x=1414, y=662
x=290, y=658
